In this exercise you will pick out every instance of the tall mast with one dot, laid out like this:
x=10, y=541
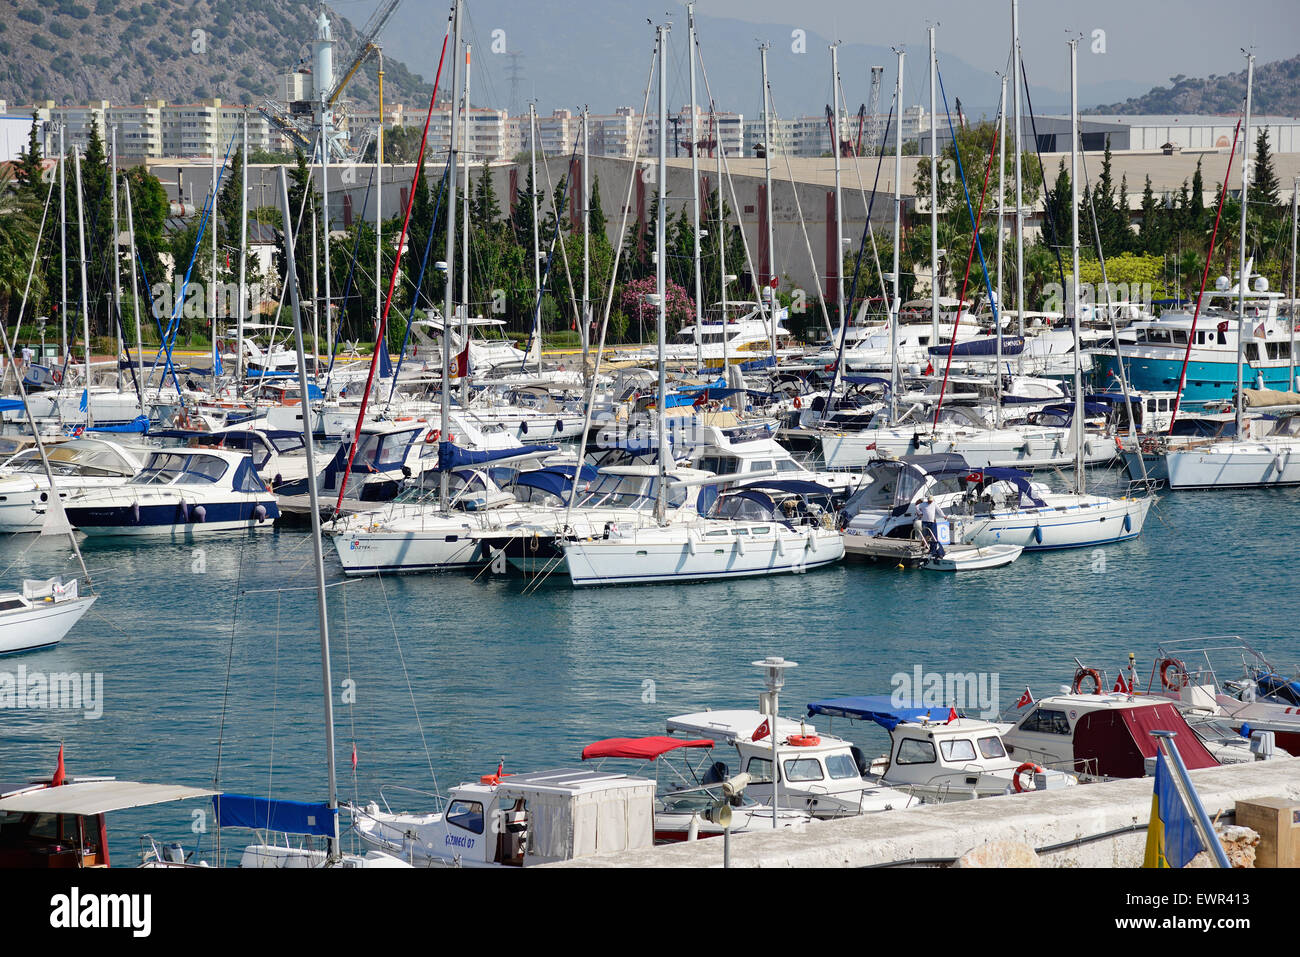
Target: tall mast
x=135, y=298
x=898, y=220
x=114, y=254
x=586, y=238
x=1074, y=252
x=537, y=243
x=934, y=206
x=769, y=289
x=327, y=682
x=1245, y=197
x=212, y=223
x=1002, y=170
x=1295, y=226
x=695, y=194
x=447, y=304
x=464, y=239
x=722, y=238
x=85, y=289
x=838, y=252
x=379, y=203
x=1020, y=209
x=243, y=263
x=661, y=496
x=325, y=249
x=63, y=250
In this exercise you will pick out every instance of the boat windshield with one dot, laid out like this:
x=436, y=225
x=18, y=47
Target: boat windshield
x=72, y=460
x=166, y=468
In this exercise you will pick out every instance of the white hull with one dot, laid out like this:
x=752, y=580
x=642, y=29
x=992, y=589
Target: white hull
x=700, y=553
x=1041, y=448
x=1265, y=464
x=44, y=624
x=967, y=558
x=1066, y=521
x=398, y=551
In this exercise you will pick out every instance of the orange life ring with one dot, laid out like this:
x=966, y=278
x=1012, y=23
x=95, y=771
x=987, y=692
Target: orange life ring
x=1080, y=675
x=1180, y=674
x=1027, y=766
x=803, y=740
x=798, y=402
x=433, y=437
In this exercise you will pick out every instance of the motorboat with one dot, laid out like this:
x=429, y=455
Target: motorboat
x=41, y=614
x=77, y=465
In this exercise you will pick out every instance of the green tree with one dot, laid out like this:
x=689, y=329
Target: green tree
x=27, y=171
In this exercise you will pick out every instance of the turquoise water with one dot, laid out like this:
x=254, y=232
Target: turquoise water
x=475, y=670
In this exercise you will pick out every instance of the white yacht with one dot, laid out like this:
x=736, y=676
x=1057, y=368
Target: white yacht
x=77, y=465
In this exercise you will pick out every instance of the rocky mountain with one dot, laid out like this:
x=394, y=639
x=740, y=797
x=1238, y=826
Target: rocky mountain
x=1276, y=92
x=127, y=51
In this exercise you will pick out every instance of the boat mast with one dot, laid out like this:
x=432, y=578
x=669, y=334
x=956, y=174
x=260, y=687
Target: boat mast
x=325, y=249
x=1002, y=169
x=838, y=252
x=661, y=496
x=934, y=206
x=63, y=253
x=212, y=223
x=537, y=244
x=1020, y=208
x=242, y=316
x=898, y=218
x=722, y=237
x=464, y=244
x=85, y=294
x=1295, y=225
x=444, y=479
x=135, y=297
x=114, y=254
x=327, y=682
x=770, y=290
x=695, y=193
x=586, y=240
x=379, y=205
x=1243, y=278
x=1074, y=251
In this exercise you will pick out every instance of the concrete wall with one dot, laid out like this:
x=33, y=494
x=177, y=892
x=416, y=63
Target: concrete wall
x=948, y=831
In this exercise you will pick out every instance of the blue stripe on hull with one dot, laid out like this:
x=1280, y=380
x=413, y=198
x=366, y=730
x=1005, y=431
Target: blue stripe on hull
x=701, y=576
x=1206, y=381
x=167, y=516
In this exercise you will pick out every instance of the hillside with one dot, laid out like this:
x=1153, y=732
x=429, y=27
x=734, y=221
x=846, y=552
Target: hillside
x=127, y=51
x=1276, y=92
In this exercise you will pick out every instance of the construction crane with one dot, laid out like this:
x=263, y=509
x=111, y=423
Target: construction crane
x=365, y=46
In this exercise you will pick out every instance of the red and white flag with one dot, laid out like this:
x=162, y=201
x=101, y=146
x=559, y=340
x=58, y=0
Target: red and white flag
x=761, y=732
x=1122, y=686
x=60, y=775
x=952, y=716
x=354, y=755
x=1025, y=699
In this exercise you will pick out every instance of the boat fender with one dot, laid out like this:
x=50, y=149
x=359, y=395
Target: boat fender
x=690, y=542
x=1032, y=769
x=259, y=513
x=185, y=511
x=803, y=740
x=811, y=542
x=135, y=513
x=1038, y=534
x=559, y=426
x=1086, y=674
x=523, y=428
x=1173, y=674
x=1128, y=522
x=740, y=545
x=198, y=513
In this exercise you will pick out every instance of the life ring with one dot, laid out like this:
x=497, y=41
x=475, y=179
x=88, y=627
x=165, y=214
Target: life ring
x=1119, y=445
x=1029, y=766
x=432, y=437
x=798, y=402
x=803, y=740
x=56, y=375
x=1081, y=675
x=1179, y=674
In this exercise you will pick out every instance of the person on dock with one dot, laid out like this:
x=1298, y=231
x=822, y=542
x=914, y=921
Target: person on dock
x=931, y=516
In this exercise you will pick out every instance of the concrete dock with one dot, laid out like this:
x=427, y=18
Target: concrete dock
x=1092, y=825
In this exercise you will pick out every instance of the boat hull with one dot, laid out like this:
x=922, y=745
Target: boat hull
x=42, y=625
x=171, y=520
x=1091, y=521
x=403, y=552
x=1266, y=465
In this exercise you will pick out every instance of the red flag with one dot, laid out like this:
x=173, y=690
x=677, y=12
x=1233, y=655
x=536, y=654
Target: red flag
x=60, y=775
x=1121, y=685
x=501, y=766
x=761, y=732
x=354, y=755
x=1025, y=698
x=929, y=368
x=462, y=363
x=952, y=716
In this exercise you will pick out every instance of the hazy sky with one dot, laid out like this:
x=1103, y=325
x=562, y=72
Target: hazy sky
x=1147, y=41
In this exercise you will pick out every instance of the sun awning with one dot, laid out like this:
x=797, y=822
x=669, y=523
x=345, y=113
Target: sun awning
x=98, y=797
x=879, y=708
x=642, y=749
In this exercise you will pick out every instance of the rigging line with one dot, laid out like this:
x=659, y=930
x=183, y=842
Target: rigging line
x=406, y=676
x=633, y=171
x=346, y=295
x=352, y=704
x=36, y=246
x=275, y=699
x=556, y=237
x=1042, y=175
x=225, y=694
x=871, y=231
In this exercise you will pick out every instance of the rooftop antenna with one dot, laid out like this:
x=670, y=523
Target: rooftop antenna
x=774, y=668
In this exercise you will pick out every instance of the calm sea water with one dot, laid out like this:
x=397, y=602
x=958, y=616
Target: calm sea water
x=211, y=664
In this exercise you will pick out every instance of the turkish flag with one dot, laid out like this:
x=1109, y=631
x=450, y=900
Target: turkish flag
x=462, y=363
x=761, y=732
x=60, y=775
x=1122, y=686
x=1025, y=699
x=952, y=716
x=354, y=755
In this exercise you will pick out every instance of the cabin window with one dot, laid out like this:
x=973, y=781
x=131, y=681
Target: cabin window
x=841, y=766
x=991, y=747
x=467, y=815
x=959, y=749
x=1046, y=721
x=759, y=770
x=9, y=604
x=915, y=751
x=803, y=769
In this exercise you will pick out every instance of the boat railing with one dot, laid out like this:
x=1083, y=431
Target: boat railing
x=438, y=799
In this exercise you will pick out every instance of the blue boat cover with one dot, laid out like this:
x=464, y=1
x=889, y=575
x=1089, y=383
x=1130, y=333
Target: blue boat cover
x=284, y=817
x=879, y=708
x=452, y=457
x=139, y=424
x=557, y=481
x=1011, y=346
x=11, y=405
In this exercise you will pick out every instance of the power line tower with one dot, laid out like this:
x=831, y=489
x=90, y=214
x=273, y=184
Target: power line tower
x=877, y=128
x=516, y=77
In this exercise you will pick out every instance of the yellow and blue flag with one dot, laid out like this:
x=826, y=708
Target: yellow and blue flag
x=1172, y=840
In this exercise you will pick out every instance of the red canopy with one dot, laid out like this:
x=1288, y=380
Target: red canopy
x=1117, y=740
x=644, y=749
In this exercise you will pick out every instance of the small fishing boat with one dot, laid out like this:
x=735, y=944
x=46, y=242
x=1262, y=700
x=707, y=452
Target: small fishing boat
x=180, y=493
x=40, y=615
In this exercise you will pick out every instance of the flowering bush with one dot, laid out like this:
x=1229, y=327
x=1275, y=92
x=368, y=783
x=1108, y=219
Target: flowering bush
x=636, y=305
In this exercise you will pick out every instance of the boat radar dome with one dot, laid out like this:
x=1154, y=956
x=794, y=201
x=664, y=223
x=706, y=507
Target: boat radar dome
x=1261, y=284
x=1221, y=284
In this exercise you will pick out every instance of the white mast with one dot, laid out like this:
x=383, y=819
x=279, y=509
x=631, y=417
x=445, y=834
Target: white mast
x=1243, y=278
x=464, y=244
x=135, y=298
x=63, y=250
x=769, y=289
x=243, y=263
x=114, y=255
x=537, y=243
x=325, y=249
x=1295, y=225
x=1020, y=210
x=1002, y=169
x=448, y=299
x=838, y=252
x=1074, y=278
x=661, y=496
x=212, y=222
x=722, y=239
x=695, y=193
x=586, y=239
x=934, y=205
x=85, y=294
x=379, y=201
x=898, y=219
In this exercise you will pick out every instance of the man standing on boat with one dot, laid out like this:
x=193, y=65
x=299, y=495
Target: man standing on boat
x=931, y=515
